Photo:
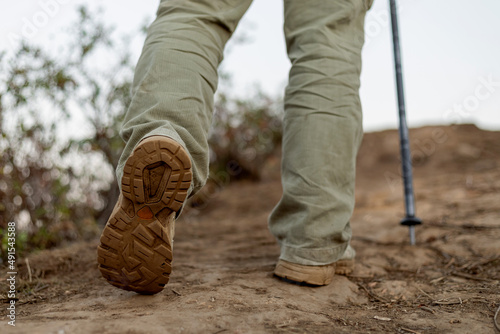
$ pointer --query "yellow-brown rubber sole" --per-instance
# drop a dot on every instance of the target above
(312, 275)
(135, 252)
(344, 267)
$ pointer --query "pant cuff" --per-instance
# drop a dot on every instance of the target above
(312, 256)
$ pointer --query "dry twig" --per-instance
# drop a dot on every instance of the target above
(463, 275)
(29, 269)
(425, 293)
(410, 330)
(374, 296)
(495, 319)
(428, 309)
(40, 288)
(447, 302)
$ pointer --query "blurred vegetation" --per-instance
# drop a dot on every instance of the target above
(245, 133)
(54, 186)
(58, 186)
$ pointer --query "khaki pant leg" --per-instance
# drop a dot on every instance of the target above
(322, 129)
(176, 77)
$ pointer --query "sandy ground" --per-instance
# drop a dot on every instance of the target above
(224, 256)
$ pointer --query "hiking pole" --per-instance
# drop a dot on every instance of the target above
(410, 220)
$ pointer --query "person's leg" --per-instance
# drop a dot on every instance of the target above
(176, 77)
(166, 129)
(322, 129)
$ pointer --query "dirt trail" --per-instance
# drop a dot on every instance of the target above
(224, 257)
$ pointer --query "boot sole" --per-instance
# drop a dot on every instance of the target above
(305, 275)
(344, 267)
(312, 275)
(135, 253)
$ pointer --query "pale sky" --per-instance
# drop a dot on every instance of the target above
(450, 48)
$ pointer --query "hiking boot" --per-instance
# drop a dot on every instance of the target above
(308, 275)
(316, 275)
(345, 266)
(136, 244)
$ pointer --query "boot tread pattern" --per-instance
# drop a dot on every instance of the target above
(136, 246)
